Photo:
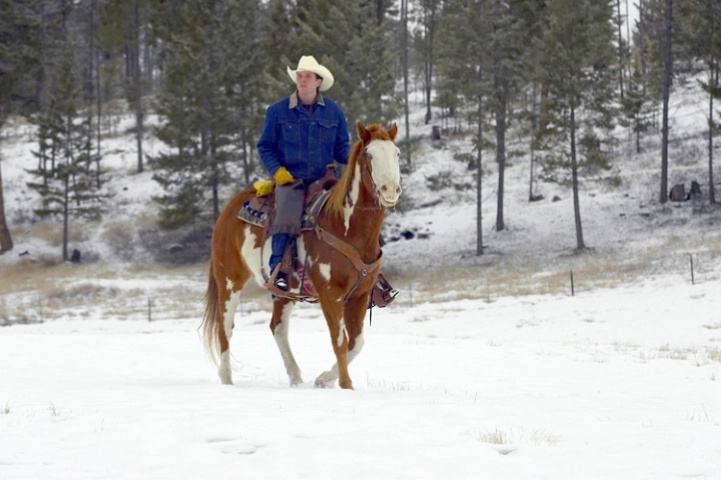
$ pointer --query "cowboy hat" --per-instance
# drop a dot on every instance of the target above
(308, 63)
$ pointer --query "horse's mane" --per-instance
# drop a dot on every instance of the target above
(334, 206)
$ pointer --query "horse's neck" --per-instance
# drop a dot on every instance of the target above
(363, 213)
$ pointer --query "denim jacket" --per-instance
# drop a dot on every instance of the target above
(304, 143)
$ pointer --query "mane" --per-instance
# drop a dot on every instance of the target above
(334, 206)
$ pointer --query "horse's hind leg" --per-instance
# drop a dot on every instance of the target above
(279, 324)
(225, 333)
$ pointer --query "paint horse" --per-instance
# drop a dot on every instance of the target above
(341, 254)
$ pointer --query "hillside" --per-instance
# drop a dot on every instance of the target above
(629, 234)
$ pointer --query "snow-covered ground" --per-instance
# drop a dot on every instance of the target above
(614, 384)
(485, 367)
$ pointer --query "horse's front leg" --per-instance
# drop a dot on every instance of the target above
(279, 324)
(347, 341)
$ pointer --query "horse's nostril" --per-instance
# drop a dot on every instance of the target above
(384, 188)
(398, 190)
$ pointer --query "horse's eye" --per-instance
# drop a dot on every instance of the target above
(369, 155)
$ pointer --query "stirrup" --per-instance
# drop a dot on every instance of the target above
(281, 282)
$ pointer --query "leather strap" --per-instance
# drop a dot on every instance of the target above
(349, 251)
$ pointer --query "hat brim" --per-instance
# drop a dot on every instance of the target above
(319, 70)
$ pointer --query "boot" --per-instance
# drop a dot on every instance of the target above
(383, 294)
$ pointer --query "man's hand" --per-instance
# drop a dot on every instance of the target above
(282, 176)
(263, 188)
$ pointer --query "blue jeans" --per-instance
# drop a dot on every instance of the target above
(278, 244)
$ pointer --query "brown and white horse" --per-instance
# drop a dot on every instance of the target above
(342, 256)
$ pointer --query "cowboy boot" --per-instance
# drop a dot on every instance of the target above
(382, 294)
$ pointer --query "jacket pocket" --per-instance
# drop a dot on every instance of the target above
(327, 130)
(292, 132)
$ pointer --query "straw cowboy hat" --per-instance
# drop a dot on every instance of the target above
(308, 63)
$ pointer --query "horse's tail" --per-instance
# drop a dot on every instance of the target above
(211, 318)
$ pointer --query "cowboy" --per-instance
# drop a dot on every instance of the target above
(303, 134)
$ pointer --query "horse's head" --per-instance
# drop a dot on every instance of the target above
(383, 158)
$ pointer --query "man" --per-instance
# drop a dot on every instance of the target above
(303, 134)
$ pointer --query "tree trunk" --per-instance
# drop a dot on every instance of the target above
(479, 181)
(137, 86)
(580, 245)
(713, 80)
(534, 124)
(406, 109)
(6, 241)
(620, 49)
(667, 73)
(66, 214)
(502, 90)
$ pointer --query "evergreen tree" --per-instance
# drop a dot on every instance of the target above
(465, 68)
(19, 76)
(66, 188)
(424, 43)
(637, 105)
(701, 35)
(578, 72)
(124, 30)
(212, 76)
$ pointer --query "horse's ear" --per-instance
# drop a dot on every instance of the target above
(363, 133)
(393, 131)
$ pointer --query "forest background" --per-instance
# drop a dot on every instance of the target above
(561, 74)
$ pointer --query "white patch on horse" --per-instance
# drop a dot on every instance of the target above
(342, 332)
(352, 197)
(252, 255)
(230, 307)
(386, 172)
(226, 376)
(281, 339)
(324, 269)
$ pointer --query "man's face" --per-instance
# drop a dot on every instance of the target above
(308, 83)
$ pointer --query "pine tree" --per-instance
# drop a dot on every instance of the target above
(465, 69)
(208, 103)
(701, 37)
(19, 77)
(578, 72)
(66, 187)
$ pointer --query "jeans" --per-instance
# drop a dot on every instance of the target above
(278, 244)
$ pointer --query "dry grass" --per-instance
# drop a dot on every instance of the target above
(511, 437)
(33, 291)
(499, 276)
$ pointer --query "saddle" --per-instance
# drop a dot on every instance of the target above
(260, 209)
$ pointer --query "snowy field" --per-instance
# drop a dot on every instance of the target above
(614, 384)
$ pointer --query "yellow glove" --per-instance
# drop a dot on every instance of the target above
(263, 188)
(282, 176)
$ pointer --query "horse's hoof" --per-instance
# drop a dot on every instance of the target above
(226, 378)
(320, 383)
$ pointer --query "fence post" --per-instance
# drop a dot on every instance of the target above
(150, 317)
(690, 257)
(573, 290)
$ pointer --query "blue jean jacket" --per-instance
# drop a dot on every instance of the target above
(304, 143)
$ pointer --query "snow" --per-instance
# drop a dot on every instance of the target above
(484, 367)
(613, 384)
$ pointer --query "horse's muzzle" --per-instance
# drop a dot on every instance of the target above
(389, 196)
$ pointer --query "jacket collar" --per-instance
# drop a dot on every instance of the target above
(294, 100)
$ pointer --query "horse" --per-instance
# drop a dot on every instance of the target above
(342, 256)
